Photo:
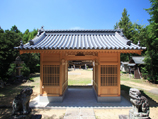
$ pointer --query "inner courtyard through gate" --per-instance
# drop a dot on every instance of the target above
(82, 74)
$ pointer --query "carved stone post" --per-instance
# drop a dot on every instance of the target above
(140, 106)
(18, 63)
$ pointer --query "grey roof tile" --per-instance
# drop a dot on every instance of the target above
(80, 39)
(138, 59)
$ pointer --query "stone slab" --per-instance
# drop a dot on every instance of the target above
(50, 99)
(79, 113)
(72, 112)
(77, 117)
(107, 99)
(86, 112)
(123, 117)
(88, 117)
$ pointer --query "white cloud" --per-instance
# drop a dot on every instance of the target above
(76, 27)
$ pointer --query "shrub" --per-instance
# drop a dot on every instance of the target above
(11, 70)
(25, 71)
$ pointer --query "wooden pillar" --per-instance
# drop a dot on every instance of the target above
(41, 72)
(61, 75)
(118, 75)
(99, 82)
(66, 73)
(94, 73)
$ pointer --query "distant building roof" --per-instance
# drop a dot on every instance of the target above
(131, 64)
(80, 39)
(124, 62)
(137, 59)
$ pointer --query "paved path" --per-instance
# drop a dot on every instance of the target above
(79, 113)
(81, 98)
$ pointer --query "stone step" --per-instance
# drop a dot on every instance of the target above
(79, 113)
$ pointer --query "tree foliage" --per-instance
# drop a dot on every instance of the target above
(126, 25)
(151, 58)
(10, 39)
(132, 31)
(30, 59)
(148, 37)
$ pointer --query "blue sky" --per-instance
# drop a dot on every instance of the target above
(70, 14)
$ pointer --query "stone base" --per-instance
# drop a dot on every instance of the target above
(52, 98)
(36, 116)
(107, 99)
(29, 116)
(21, 116)
(123, 117)
(140, 115)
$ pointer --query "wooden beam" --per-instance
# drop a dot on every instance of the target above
(51, 63)
(108, 63)
(80, 50)
(102, 95)
(81, 57)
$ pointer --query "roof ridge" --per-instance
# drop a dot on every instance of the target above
(82, 30)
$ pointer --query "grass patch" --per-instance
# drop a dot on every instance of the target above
(122, 72)
(127, 78)
(83, 81)
(152, 97)
(144, 92)
(89, 69)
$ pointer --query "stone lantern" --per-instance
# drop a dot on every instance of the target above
(18, 63)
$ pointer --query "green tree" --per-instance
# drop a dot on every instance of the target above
(151, 58)
(126, 25)
(8, 40)
(26, 36)
(15, 29)
(139, 34)
(133, 32)
(30, 59)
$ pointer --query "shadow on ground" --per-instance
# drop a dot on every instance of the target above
(8, 94)
(5, 113)
(126, 89)
(45, 116)
(35, 75)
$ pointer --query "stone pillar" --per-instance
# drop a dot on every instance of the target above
(18, 63)
(85, 66)
(80, 67)
(74, 67)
